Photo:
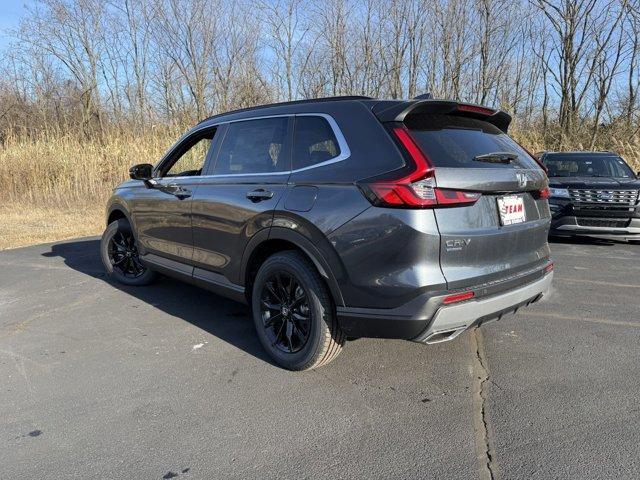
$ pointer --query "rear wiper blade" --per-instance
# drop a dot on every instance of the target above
(496, 157)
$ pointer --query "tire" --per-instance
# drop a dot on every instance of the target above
(305, 305)
(118, 244)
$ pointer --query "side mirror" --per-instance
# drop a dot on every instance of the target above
(142, 171)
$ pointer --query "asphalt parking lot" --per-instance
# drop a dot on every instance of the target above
(169, 381)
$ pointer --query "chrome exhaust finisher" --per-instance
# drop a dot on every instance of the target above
(444, 336)
(450, 321)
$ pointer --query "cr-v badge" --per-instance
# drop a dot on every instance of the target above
(457, 244)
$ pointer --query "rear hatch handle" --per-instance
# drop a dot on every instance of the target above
(496, 157)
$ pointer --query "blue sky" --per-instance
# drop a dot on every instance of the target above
(10, 13)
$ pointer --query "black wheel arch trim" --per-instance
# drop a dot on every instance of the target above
(117, 206)
(326, 267)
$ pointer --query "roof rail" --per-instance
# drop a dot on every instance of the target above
(293, 102)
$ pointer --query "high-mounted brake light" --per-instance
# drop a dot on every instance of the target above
(463, 107)
(418, 188)
(458, 297)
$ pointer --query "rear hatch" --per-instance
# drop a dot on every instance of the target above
(502, 232)
(478, 243)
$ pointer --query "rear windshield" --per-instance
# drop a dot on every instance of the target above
(589, 166)
(453, 141)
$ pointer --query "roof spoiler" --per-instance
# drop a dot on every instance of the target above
(399, 111)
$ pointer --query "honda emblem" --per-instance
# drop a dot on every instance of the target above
(522, 180)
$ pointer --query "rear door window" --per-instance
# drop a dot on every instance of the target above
(254, 147)
(313, 142)
(453, 141)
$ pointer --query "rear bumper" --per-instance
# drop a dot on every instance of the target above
(427, 320)
(452, 320)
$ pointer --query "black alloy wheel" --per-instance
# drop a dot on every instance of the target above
(120, 256)
(294, 314)
(286, 315)
(123, 255)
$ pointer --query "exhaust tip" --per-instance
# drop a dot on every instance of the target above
(444, 335)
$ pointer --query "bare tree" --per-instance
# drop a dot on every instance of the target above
(67, 31)
(582, 30)
(564, 67)
(282, 18)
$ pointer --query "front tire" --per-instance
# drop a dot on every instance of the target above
(293, 313)
(119, 253)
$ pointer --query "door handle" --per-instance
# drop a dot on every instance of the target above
(178, 191)
(259, 195)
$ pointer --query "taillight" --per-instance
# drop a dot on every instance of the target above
(548, 268)
(544, 193)
(418, 188)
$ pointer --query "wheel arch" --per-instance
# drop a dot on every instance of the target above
(269, 241)
(116, 214)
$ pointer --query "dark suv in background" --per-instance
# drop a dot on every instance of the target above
(342, 217)
(593, 194)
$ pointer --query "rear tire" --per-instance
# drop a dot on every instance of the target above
(119, 253)
(293, 313)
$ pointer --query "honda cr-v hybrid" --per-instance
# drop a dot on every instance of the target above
(342, 218)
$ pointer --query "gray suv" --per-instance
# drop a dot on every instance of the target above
(341, 218)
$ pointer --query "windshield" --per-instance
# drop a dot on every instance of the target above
(592, 166)
(453, 141)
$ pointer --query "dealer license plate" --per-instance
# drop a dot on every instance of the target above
(511, 208)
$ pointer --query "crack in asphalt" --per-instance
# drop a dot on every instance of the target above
(485, 452)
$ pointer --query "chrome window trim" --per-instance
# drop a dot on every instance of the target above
(342, 142)
(345, 152)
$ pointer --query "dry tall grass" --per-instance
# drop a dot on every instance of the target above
(56, 188)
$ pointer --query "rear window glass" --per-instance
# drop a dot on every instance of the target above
(253, 147)
(453, 141)
(313, 142)
(591, 166)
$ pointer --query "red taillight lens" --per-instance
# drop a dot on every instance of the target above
(458, 297)
(548, 268)
(417, 194)
(456, 197)
(418, 188)
(544, 193)
(422, 163)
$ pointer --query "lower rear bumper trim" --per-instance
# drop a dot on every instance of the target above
(460, 317)
(424, 316)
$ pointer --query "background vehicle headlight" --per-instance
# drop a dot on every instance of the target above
(560, 193)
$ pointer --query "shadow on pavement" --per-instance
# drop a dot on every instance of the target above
(228, 320)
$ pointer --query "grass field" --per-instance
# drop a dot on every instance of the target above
(56, 188)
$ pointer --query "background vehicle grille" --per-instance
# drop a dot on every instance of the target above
(600, 222)
(607, 197)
